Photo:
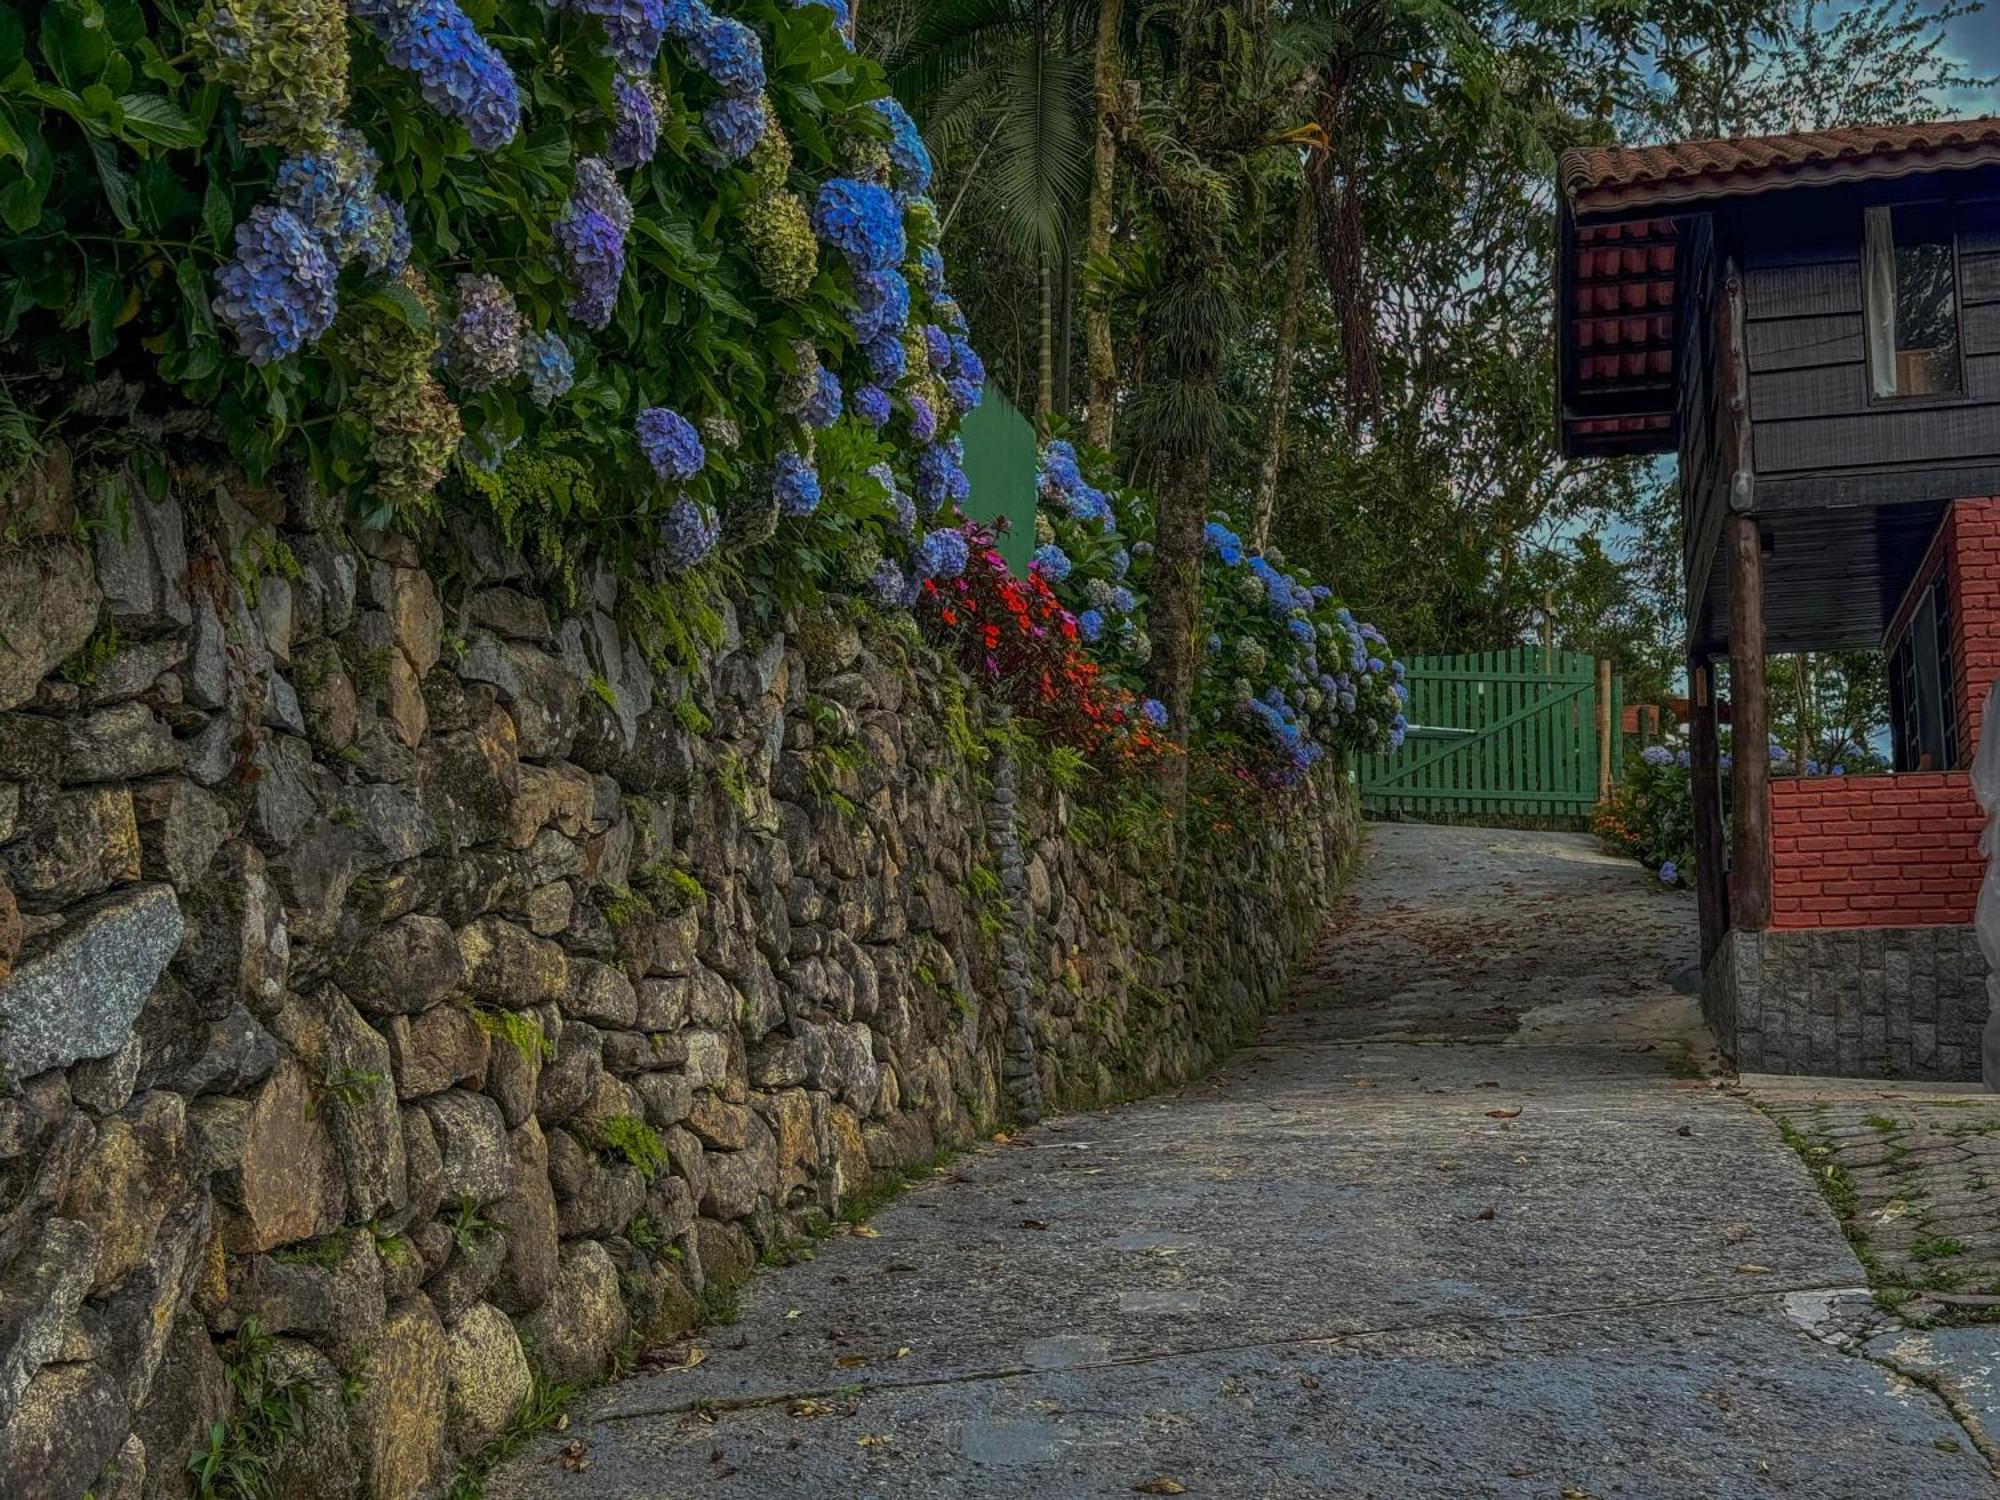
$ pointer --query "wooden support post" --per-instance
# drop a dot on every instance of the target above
(1705, 776)
(1749, 732)
(1603, 729)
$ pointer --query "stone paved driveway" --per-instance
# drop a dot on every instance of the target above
(1466, 1222)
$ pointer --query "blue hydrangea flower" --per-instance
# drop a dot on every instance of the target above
(670, 443)
(685, 19)
(937, 346)
(688, 533)
(822, 407)
(633, 29)
(861, 220)
(635, 130)
(888, 361)
(964, 394)
(1657, 755)
(1122, 601)
(1301, 630)
(1120, 562)
(941, 554)
(909, 161)
(795, 482)
(736, 123)
(458, 72)
(935, 467)
(965, 360)
(483, 347)
(278, 293)
(1155, 712)
(885, 304)
(930, 262)
(1090, 625)
(1669, 873)
(871, 404)
(1223, 542)
(730, 54)
(923, 420)
(1052, 562)
(332, 193)
(550, 367)
(591, 233)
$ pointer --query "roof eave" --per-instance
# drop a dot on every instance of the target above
(1618, 201)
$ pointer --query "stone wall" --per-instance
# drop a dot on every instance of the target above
(403, 990)
(1895, 1002)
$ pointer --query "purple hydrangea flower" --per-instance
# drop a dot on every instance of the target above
(730, 54)
(941, 554)
(688, 533)
(822, 407)
(591, 233)
(923, 421)
(891, 584)
(908, 159)
(1052, 562)
(633, 29)
(888, 361)
(735, 123)
(885, 304)
(550, 367)
(795, 483)
(458, 72)
(861, 220)
(483, 347)
(635, 130)
(1155, 712)
(937, 347)
(871, 404)
(670, 443)
(278, 292)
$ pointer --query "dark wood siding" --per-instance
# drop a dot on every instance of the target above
(1818, 435)
(1702, 482)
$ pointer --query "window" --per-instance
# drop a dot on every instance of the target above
(1911, 286)
(1923, 718)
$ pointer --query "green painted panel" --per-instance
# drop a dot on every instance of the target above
(1000, 459)
(1495, 735)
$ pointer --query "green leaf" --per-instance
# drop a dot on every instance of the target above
(21, 200)
(12, 142)
(117, 186)
(156, 118)
(13, 39)
(218, 217)
(104, 297)
(400, 301)
(74, 40)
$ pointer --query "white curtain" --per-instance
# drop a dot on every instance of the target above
(1879, 301)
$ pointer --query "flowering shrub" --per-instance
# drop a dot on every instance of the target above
(1015, 635)
(1649, 814)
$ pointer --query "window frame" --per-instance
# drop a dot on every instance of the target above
(1929, 401)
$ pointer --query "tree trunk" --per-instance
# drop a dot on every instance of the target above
(1296, 254)
(1173, 607)
(1098, 358)
(1045, 388)
(1065, 325)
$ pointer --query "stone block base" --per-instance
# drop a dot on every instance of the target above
(1871, 1002)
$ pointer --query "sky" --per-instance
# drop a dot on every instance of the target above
(1976, 39)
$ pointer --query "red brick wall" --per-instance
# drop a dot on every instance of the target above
(1874, 851)
(1967, 550)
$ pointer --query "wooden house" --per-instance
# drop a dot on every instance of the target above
(1812, 324)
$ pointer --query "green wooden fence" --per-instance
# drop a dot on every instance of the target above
(1500, 736)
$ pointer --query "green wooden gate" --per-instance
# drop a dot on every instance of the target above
(1000, 458)
(1496, 736)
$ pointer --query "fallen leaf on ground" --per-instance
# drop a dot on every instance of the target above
(1484, 1213)
(1362, 1083)
(1159, 1485)
(866, 1231)
(873, 1440)
(851, 1361)
(811, 1406)
(1034, 1223)
(663, 1360)
(1309, 1382)
(904, 1352)
(1752, 1269)
(1503, 1114)
(791, 1312)
(572, 1456)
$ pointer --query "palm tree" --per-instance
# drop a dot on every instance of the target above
(1010, 81)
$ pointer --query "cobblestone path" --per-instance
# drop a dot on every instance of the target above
(1468, 1221)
